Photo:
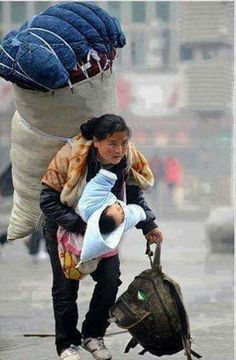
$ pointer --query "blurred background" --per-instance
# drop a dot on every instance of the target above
(174, 84)
(175, 89)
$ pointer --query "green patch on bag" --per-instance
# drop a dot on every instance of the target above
(142, 295)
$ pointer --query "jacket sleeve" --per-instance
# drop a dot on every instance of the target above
(134, 195)
(134, 214)
(96, 193)
(59, 213)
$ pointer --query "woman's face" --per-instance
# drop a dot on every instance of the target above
(112, 149)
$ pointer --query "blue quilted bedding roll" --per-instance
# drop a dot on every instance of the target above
(50, 45)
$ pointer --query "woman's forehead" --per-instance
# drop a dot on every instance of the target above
(118, 136)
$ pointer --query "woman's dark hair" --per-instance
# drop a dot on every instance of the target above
(103, 126)
(106, 223)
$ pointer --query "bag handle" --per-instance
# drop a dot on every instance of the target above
(156, 261)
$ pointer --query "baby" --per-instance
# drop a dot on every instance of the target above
(111, 218)
(107, 218)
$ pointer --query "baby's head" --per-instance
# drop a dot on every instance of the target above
(111, 217)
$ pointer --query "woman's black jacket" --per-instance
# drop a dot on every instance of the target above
(57, 213)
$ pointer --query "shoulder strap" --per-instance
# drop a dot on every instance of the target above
(185, 333)
(131, 344)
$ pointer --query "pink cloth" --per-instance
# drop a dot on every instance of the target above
(74, 242)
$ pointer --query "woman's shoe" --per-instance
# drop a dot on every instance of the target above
(97, 348)
(71, 353)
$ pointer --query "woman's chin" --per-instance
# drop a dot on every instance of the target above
(116, 160)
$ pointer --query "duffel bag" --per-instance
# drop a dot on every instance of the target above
(153, 311)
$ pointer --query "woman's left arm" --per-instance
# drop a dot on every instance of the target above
(134, 195)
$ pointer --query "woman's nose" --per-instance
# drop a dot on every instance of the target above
(119, 149)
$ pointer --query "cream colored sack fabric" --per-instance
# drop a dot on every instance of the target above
(40, 127)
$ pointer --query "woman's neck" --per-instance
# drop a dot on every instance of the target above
(101, 159)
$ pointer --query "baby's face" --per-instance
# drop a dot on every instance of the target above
(116, 212)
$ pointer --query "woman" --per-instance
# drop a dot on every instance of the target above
(103, 143)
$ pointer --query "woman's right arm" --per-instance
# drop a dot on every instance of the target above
(59, 213)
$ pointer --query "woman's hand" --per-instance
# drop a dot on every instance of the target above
(154, 236)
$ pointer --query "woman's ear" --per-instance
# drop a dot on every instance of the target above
(95, 142)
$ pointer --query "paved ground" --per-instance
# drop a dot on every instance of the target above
(206, 280)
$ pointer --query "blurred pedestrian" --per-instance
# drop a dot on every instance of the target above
(173, 179)
(36, 246)
(103, 143)
(157, 167)
(36, 239)
(6, 189)
(6, 185)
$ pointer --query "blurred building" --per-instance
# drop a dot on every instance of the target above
(15, 13)
(150, 30)
(205, 39)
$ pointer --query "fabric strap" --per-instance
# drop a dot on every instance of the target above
(184, 325)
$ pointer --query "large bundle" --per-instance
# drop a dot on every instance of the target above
(45, 119)
(50, 46)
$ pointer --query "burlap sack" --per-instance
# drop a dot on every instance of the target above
(40, 127)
